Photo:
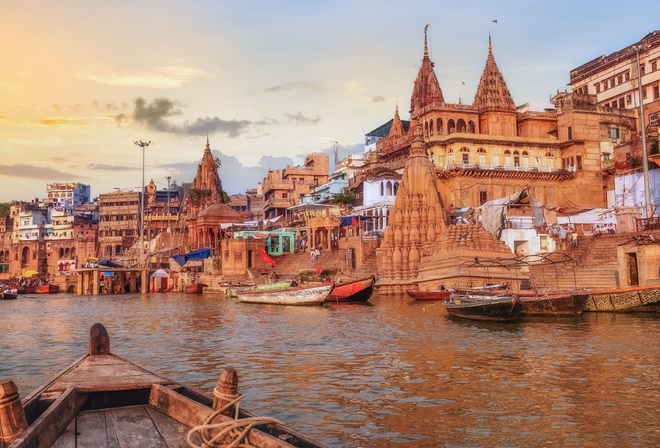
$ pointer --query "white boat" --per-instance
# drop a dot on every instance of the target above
(301, 295)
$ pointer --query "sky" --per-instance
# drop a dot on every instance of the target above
(267, 81)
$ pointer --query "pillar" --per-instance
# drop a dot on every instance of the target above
(95, 282)
(12, 414)
(80, 283)
(226, 390)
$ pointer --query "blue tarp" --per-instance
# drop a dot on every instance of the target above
(194, 255)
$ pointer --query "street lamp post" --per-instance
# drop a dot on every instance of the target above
(642, 124)
(168, 202)
(143, 145)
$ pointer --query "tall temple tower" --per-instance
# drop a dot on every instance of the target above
(206, 187)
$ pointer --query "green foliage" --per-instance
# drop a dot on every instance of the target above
(655, 146)
(345, 198)
(197, 194)
(4, 208)
(226, 199)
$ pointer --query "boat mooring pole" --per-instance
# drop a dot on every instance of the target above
(12, 414)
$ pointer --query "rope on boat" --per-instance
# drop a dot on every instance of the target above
(216, 435)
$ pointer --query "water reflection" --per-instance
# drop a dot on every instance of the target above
(394, 372)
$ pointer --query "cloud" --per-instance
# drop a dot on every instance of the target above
(38, 173)
(155, 117)
(299, 118)
(235, 177)
(302, 86)
(55, 122)
(106, 167)
(166, 77)
(378, 99)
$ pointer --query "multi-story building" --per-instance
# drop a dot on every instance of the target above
(28, 238)
(119, 218)
(68, 194)
(614, 78)
(491, 148)
(374, 197)
(283, 188)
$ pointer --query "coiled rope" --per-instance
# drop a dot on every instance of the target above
(216, 435)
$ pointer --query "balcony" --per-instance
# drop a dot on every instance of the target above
(278, 203)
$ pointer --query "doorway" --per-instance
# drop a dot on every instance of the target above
(633, 276)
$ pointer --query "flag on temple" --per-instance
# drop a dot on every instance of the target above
(266, 258)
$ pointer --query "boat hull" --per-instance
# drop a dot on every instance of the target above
(495, 310)
(631, 300)
(195, 288)
(437, 294)
(356, 291)
(48, 288)
(553, 304)
(8, 296)
(233, 292)
(310, 295)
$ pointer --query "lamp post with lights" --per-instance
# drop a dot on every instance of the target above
(143, 145)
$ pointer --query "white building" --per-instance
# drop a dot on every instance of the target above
(374, 197)
(68, 194)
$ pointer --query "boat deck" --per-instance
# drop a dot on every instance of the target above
(131, 426)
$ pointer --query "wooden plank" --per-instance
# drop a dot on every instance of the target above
(173, 433)
(68, 437)
(95, 429)
(45, 430)
(135, 429)
(191, 413)
(105, 373)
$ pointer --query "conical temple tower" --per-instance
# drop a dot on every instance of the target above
(416, 221)
(206, 187)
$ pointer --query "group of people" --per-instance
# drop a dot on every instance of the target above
(605, 229)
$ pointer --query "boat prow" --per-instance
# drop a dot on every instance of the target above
(104, 400)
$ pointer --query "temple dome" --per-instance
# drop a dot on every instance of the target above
(220, 213)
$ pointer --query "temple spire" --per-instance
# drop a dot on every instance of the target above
(493, 93)
(427, 88)
(396, 130)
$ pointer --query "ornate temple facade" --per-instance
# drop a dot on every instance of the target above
(460, 155)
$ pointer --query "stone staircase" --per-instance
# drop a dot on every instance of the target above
(595, 264)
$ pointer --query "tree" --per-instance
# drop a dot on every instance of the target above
(226, 199)
(344, 198)
(4, 208)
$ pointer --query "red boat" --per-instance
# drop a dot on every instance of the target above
(48, 288)
(195, 288)
(355, 291)
(434, 294)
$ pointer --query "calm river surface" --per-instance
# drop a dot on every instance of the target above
(394, 372)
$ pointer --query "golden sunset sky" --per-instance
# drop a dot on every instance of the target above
(269, 81)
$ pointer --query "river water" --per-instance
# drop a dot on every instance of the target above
(394, 372)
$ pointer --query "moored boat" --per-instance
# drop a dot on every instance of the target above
(47, 288)
(7, 295)
(233, 292)
(484, 308)
(355, 291)
(195, 288)
(558, 303)
(300, 295)
(103, 400)
(433, 294)
(631, 300)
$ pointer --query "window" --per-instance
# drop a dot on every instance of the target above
(619, 79)
(483, 197)
(654, 65)
(656, 92)
(597, 85)
(570, 133)
(579, 162)
(642, 69)
(627, 76)
(466, 158)
(644, 92)
(628, 99)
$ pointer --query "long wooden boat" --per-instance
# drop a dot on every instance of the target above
(301, 295)
(434, 294)
(496, 309)
(48, 288)
(632, 299)
(558, 304)
(102, 400)
(356, 291)
(6, 295)
(233, 292)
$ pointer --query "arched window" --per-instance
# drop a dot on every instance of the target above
(465, 155)
(450, 157)
(439, 126)
(471, 127)
(388, 188)
(481, 154)
(451, 127)
(525, 159)
(507, 158)
(426, 128)
(60, 253)
(431, 127)
(516, 159)
(396, 187)
(460, 126)
(382, 189)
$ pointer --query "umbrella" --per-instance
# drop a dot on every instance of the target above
(160, 273)
(30, 273)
